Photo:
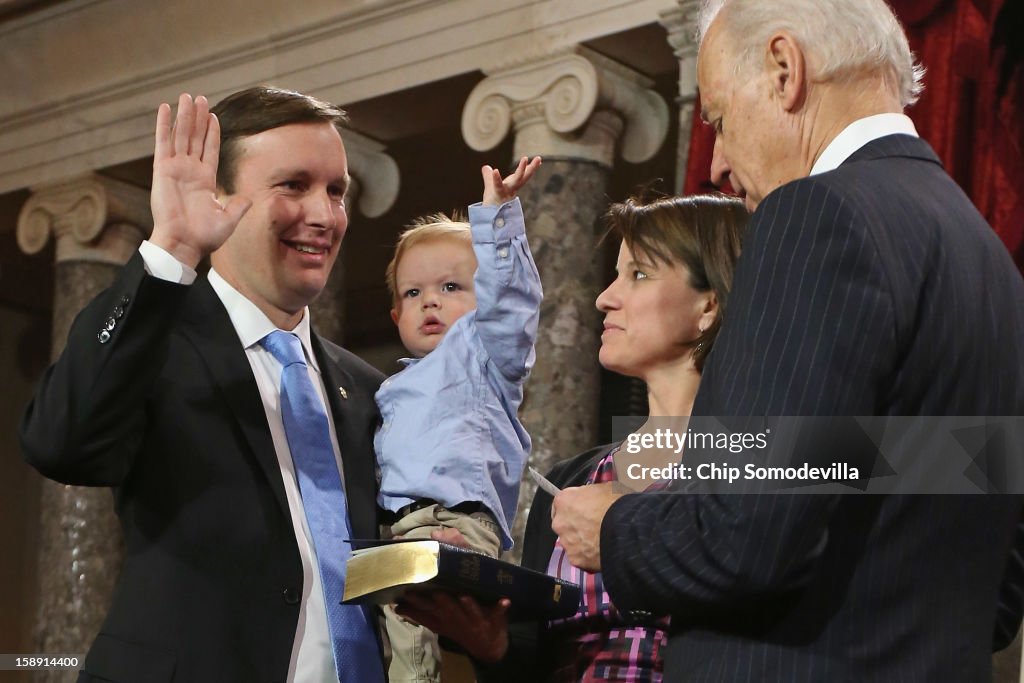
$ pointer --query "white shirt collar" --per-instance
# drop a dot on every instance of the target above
(858, 134)
(251, 324)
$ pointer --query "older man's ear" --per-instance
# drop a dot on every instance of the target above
(786, 69)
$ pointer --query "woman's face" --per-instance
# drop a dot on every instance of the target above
(652, 316)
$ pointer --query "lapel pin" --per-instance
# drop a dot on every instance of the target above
(344, 394)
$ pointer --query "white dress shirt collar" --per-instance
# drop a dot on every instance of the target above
(858, 134)
(251, 324)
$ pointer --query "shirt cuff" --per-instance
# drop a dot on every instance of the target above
(490, 223)
(160, 264)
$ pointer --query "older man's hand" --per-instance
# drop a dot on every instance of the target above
(576, 517)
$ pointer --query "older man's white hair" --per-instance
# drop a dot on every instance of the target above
(841, 38)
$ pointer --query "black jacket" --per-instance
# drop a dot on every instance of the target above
(528, 657)
(168, 414)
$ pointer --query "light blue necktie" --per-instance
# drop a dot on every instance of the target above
(357, 656)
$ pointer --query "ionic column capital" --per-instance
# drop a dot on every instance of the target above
(92, 218)
(574, 103)
(375, 172)
(681, 24)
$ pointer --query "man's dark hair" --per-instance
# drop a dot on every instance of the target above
(261, 108)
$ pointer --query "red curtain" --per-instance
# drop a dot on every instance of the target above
(972, 109)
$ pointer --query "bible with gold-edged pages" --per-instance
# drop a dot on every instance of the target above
(380, 571)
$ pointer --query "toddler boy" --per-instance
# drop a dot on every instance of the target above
(451, 448)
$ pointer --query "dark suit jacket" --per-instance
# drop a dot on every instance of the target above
(167, 412)
(529, 657)
(875, 289)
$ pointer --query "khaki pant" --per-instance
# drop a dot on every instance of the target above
(415, 655)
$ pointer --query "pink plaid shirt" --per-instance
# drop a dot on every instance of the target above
(598, 643)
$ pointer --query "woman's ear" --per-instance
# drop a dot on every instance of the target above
(709, 314)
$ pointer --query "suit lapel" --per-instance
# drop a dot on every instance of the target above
(209, 328)
(352, 410)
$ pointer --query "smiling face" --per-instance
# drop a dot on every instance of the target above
(652, 316)
(752, 141)
(434, 289)
(283, 249)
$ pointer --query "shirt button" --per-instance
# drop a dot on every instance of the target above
(291, 596)
(118, 312)
(125, 299)
(103, 336)
(111, 324)
(499, 223)
(503, 252)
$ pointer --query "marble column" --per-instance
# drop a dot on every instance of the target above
(681, 24)
(373, 188)
(574, 108)
(97, 224)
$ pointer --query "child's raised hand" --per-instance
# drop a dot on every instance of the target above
(497, 190)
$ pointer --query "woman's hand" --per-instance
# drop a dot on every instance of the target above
(482, 630)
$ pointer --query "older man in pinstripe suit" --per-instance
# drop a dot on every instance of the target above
(869, 285)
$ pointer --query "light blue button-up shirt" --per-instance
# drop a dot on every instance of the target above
(450, 429)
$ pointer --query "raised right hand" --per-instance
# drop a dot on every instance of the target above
(498, 190)
(189, 221)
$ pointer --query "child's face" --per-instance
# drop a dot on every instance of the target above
(435, 288)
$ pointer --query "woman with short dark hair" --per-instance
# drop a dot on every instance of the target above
(662, 313)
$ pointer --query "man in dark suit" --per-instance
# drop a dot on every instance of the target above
(169, 392)
(869, 285)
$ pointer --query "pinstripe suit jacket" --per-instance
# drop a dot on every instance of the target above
(873, 289)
